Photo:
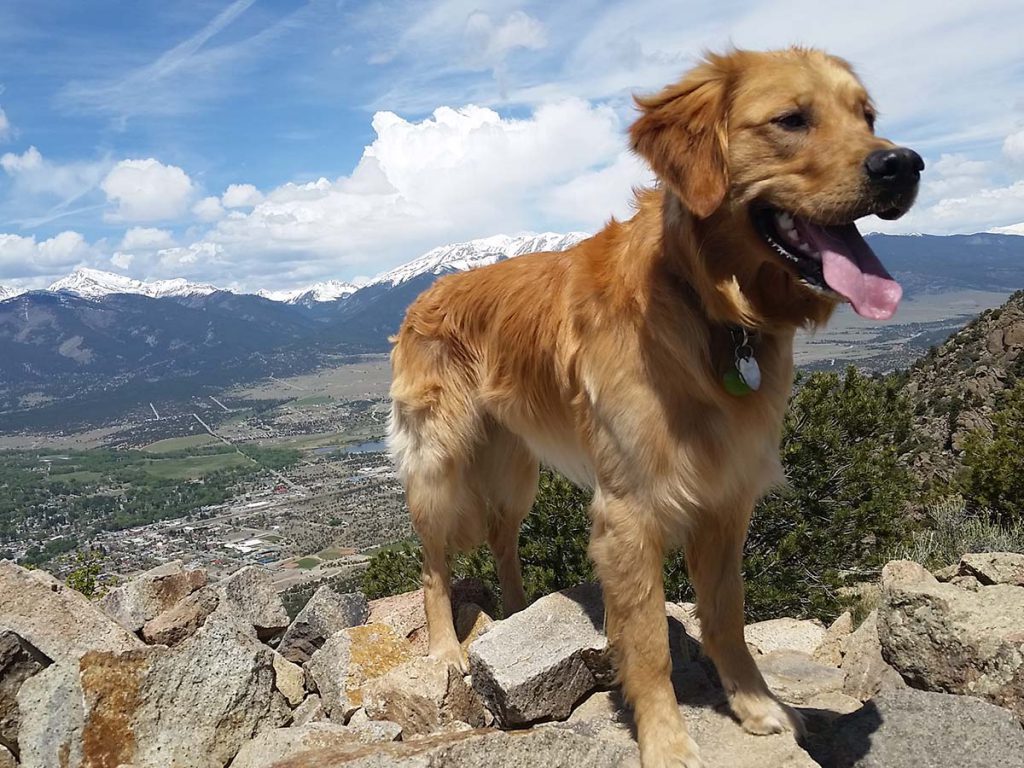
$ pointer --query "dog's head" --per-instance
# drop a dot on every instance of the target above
(777, 153)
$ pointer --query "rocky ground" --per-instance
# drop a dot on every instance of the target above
(169, 671)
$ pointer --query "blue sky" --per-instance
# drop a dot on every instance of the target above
(272, 143)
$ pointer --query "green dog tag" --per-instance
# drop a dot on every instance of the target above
(734, 383)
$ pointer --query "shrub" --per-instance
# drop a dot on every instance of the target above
(993, 463)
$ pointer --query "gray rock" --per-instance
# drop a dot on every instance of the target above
(281, 744)
(191, 705)
(918, 729)
(6, 758)
(830, 649)
(538, 663)
(865, 672)
(539, 748)
(349, 659)
(289, 679)
(784, 634)
(18, 662)
(311, 710)
(55, 619)
(795, 677)
(249, 594)
(149, 594)
(943, 638)
(422, 695)
(182, 620)
(326, 612)
(994, 568)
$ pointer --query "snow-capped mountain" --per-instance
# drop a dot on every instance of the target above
(6, 292)
(94, 283)
(330, 290)
(460, 257)
(1013, 229)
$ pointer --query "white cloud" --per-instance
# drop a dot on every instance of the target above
(490, 42)
(147, 190)
(1013, 146)
(146, 239)
(29, 160)
(5, 126)
(241, 196)
(21, 256)
(208, 209)
(189, 259)
(122, 260)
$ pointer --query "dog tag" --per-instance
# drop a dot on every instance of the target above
(734, 383)
(750, 372)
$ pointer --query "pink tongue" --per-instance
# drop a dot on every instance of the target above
(852, 269)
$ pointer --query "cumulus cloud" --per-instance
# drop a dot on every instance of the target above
(208, 209)
(21, 256)
(1013, 146)
(122, 260)
(241, 196)
(147, 190)
(146, 238)
(29, 160)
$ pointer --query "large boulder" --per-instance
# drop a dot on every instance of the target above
(249, 595)
(918, 729)
(18, 662)
(538, 663)
(830, 649)
(349, 659)
(944, 638)
(326, 612)
(149, 594)
(784, 634)
(422, 696)
(994, 568)
(289, 679)
(865, 672)
(281, 744)
(181, 620)
(191, 705)
(795, 677)
(540, 748)
(56, 620)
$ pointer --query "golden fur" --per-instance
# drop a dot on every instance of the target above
(606, 362)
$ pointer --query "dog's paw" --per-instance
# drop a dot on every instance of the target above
(679, 751)
(453, 657)
(765, 716)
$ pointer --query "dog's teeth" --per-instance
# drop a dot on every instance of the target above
(785, 220)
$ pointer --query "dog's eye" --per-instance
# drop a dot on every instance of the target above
(869, 117)
(792, 121)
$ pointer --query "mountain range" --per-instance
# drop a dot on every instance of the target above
(94, 340)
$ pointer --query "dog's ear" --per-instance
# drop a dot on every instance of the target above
(682, 134)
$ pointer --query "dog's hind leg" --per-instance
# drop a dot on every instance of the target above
(714, 551)
(627, 550)
(510, 474)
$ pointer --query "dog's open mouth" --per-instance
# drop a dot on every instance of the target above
(832, 258)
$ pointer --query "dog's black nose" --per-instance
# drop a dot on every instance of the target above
(899, 166)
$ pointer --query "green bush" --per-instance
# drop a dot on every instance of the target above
(993, 476)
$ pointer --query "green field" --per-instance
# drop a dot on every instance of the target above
(311, 400)
(193, 467)
(308, 562)
(180, 443)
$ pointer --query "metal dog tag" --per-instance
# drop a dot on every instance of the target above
(749, 371)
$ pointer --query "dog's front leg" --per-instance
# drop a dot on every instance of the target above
(627, 549)
(714, 552)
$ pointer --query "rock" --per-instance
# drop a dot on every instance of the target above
(795, 677)
(905, 572)
(784, 634)
(538, 663)
(6, 758)
(540, 748)
(942, 638)
(683, 633)
(404, 612)
(149, 594)
(917, 729)
(422, 695)
(865, 672)
(994, 568)
(281, 744)
(181, 620)
(348, 659)
(249, 593)
(191, 705)
(947, 573)
(470, 622)
(311, 710)
(55, 619)
(18, 662)
(289, 679)
(326, 612)
(830, 649)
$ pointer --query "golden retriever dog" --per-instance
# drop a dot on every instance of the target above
(653, 363)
